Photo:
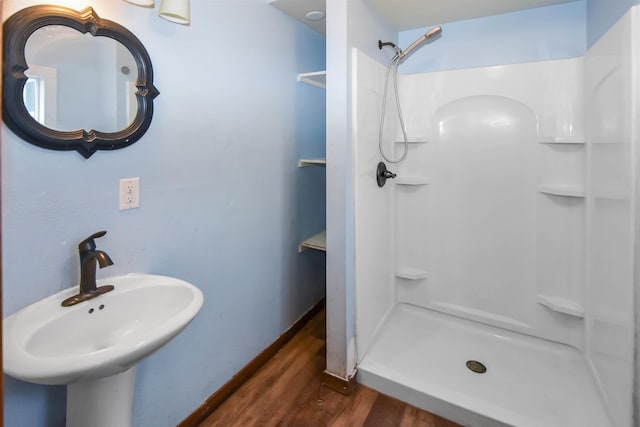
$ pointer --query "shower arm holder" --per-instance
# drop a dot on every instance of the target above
(381, 44)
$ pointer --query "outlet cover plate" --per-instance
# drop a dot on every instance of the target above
(129, 195)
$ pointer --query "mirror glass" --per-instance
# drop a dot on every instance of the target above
(64, 66)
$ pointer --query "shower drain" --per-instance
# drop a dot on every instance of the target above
(477, 367)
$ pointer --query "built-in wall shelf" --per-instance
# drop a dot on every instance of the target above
(316, 78)
(562, 190)
(412, 139)
(411, 180)
(561, 305)
(312, 162)
(317, 242)
(561, 139)
(411, 273)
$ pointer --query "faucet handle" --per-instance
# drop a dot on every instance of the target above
(88, 244)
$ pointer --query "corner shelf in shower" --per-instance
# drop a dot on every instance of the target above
(412, 139)
(316, 78)
(561, 305)
(562, 190)
(561, 139)
(411, 180)
(312, 162)
(317, 242)
(411, 273)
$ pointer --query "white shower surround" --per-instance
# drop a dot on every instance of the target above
(517, 213)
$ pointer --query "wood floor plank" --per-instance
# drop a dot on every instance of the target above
(314, 406)
(288, 392)
(245, 402)
(442, 422)
(256, 403)
(385, 412)
(356, 409)
(414, 417)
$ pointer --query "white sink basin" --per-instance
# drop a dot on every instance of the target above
(46, 343)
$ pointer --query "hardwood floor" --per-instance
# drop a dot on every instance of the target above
(288, 391)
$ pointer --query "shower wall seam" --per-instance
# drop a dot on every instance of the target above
(635, 408)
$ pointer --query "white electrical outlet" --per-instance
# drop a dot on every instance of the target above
(129, 193)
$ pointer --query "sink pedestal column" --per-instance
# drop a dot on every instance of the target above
(103, 402)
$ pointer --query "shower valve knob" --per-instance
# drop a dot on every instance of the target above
(382, 174)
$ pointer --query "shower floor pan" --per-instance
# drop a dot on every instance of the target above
(420, 356)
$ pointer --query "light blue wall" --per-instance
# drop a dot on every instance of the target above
(603, 14)
(221, 197)
(552, 32)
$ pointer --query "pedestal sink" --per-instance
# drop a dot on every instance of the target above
(93, 346)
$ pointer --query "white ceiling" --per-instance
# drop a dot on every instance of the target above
(297, 9)
(409, 14)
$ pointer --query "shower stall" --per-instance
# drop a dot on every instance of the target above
(494, 274)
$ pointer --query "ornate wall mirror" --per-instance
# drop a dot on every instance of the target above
(74, 81)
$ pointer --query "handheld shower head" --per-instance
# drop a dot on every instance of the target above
(434, 32)
(430, 35)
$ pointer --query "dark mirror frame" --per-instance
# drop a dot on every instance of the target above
(17, 30)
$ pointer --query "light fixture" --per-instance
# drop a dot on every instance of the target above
(175, 11)
(314, 15)
(172, 10)
(144, 3)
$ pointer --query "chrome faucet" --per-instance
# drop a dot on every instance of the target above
(90, 258)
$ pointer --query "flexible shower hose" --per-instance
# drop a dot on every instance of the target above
(393, 64)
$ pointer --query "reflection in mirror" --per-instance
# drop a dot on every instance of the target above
(88, 74)
(34, 98)
(75, 81)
